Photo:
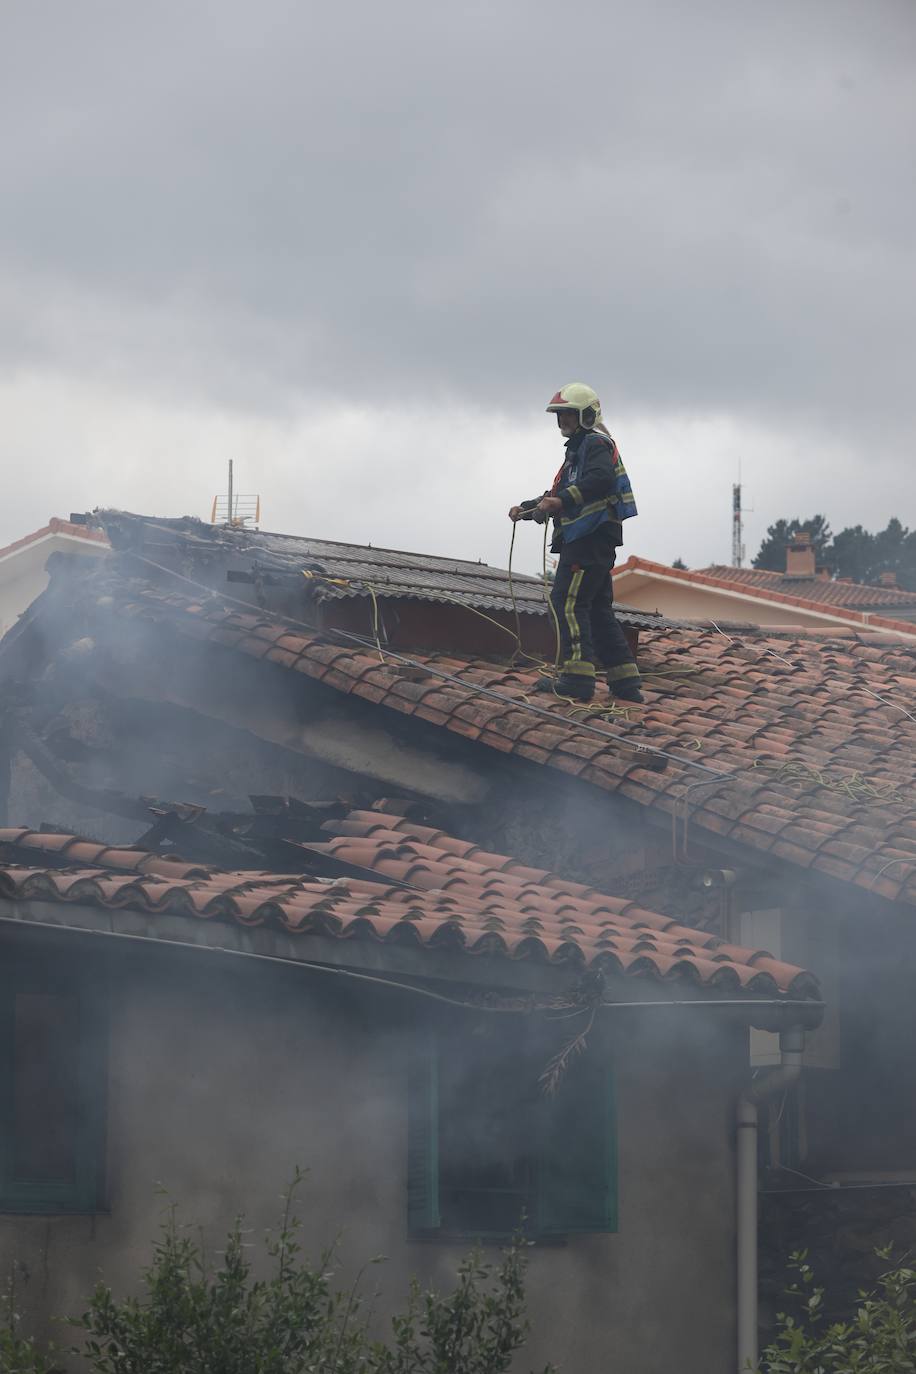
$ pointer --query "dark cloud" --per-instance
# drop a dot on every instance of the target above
(704, 208)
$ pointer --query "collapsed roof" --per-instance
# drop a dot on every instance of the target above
(797, 748)
(380, 876)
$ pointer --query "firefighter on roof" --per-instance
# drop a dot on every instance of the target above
(589, 500)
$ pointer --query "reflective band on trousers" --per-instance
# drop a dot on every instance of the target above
(622, 670)
(569, 611)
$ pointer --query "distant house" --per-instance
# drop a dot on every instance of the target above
(800, 596)
(278, 753)
(23, 564)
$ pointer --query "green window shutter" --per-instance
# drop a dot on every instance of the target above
(423, 1134)
(577, 1151)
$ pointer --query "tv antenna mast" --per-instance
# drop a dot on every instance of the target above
(234, 510)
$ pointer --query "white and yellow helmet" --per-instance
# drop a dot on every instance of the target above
(578, 396)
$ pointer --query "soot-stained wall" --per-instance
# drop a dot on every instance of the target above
(226, 1075)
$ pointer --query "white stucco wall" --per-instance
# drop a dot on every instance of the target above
(23, 573)
(685, 601)
(222, 1080)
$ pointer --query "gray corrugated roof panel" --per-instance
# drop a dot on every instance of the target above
(396, 572)
(528, 604)
(389, 573)
(424, 577)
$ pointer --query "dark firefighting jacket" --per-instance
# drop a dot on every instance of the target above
(596, 495)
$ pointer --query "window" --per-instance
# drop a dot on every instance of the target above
(486, 1146)
(52, 1087)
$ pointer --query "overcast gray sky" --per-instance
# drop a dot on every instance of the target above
(357, 247)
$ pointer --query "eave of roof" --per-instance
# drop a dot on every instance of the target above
(434, 893)
(55, 526)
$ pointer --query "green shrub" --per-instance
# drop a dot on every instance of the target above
(17, 1354)
(880, 1338)
(193, 1319)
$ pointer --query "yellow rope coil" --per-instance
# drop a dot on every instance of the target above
(854, 785)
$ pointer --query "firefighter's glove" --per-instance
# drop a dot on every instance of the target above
(547, 507)
(525, 510)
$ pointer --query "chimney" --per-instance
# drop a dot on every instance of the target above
(888, 579)
(800, 560)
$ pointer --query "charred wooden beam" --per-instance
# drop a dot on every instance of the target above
(59, 776)
(258, 840)
(295, 809)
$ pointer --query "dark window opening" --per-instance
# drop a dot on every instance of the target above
(490, 1151)
(45, 1081)
(487, 1156)
(52, 1086)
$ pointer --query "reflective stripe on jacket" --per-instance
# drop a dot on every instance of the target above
(593, 486)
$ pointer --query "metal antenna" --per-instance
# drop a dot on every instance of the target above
(737, 524)
(234, 510)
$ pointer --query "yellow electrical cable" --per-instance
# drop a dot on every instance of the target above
(854, 785)
(669, 672)
(603, 710)
(443, 596)
(518, 623)
(375, 627)
(541, 663)
(550, 605)
(456, 601)
(429, 669)
(600, 710)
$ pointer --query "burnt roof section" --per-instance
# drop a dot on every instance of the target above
(398, 882)
(351, 570)
(798, 748)
(808, 758)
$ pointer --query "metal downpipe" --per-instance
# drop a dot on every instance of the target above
(791, 1047)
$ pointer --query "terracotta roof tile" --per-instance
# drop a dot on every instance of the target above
(87, 851)
(823, 590)
(471, 899)
(815, 738)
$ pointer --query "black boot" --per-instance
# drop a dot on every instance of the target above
(626, 689)
(575, 685)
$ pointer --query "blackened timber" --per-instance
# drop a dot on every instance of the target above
(60, 778)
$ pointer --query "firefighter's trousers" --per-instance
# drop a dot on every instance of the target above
(590, 634)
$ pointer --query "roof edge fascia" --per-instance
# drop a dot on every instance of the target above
(22, 547)
(421, 972)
